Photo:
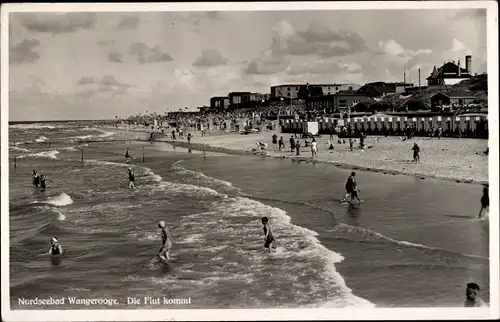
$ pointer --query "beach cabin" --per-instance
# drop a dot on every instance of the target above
(310, 127)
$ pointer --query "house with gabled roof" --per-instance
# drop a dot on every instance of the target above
(450, 73)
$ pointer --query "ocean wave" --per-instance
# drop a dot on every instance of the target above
(105, 134)
(60, 215)
(298, 245)
(199, 175)
(41, 139)
(82, 137)
(45, 154)
(293, 241)
(367, 234)
(70, 148)
(16, 148)
(182, 188)
(61, 200)
(31, 126)
(189, 189)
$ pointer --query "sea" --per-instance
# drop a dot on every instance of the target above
(413, 242)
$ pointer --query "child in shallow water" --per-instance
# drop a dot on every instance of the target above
(268, 235)
(55, 248)
(164, 252)
(485, 201)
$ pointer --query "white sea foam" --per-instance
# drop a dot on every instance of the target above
(181, 188)
(202, 176)
(70, 148)
(16, 148)
(45, 154)
(296, 244)
(105, 134)
(41, 139)
(31, 126)
(303, 243)
(82, 137)
(189, 189)
(314, 248)
(60, 215)
(62, 200)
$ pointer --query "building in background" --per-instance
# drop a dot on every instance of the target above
(257, 97)
(323, 103)
(219, 102)
(238, 99)
(401, 87)
(450, 73)
(345, 100)
(377, 89)
(414, 89)
(451, 98)
(335, 103)
(291, 91)
(246, 99)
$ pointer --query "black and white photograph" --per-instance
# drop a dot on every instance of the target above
(250, 161)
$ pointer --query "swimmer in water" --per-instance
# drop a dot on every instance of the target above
(485, 201)
(131, 178)
(472, 298)
(268, 235)
(164, 252)
(56, 248)
(42, 182)
(36, 179)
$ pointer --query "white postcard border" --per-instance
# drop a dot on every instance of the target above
(258, 314)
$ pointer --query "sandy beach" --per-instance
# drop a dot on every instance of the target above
(459, 160)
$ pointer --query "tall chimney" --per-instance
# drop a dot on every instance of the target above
(459, 71)
(419, 88)
(468, 64)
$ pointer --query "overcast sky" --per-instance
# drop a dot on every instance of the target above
(98, 65)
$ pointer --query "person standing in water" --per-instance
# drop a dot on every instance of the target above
(127, 156)
(189, 137)
(164, 252)
(485, 201)
(355, 192)
(349, 186)
(268, 235)
(42, 182)
(131, 179)
(36, 179)
(55, 248)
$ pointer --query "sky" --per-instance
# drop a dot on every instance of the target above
(97, 65)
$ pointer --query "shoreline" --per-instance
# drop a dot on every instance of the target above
(210, 147)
